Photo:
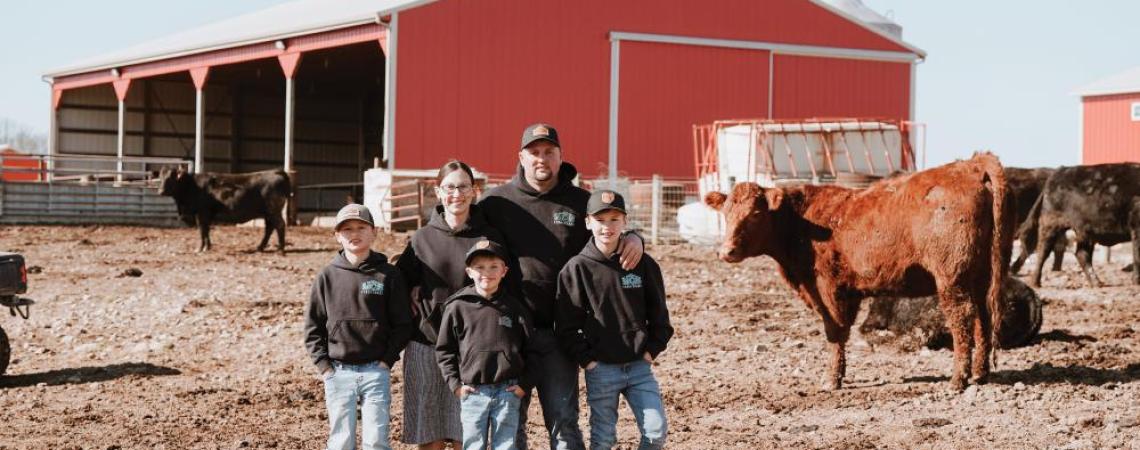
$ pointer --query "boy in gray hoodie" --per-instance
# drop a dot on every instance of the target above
(358, 320)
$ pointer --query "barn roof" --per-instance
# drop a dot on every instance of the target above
(1121, 83)
(295, 18)
(301, 17)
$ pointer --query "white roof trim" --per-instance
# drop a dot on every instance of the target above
(318, 16)
(844, 14)
(1126, 82)
(778, 48)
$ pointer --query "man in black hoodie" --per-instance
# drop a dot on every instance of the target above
(358, 320)
(540, 213)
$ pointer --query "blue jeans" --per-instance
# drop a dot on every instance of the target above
(555, 376)
(636, 382)
(490, 414)
(370, 382)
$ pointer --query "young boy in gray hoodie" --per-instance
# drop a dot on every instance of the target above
(358, 320)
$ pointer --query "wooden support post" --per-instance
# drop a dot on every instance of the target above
(198, 75)
(289, 63)
(122, 87)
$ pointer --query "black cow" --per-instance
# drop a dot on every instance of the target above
(911, 323)
(206, 198)
(1100, 203)
(1025, 185)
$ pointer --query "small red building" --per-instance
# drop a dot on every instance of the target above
(1110, 119)
(19, 166)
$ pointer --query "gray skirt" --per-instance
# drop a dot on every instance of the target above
(431, 411)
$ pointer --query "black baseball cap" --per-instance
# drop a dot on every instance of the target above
(486, 247)
(603, 200)
(537, 132)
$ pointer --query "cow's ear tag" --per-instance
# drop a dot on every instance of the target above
(775, 197)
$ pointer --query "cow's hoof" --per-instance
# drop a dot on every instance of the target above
(832, 384)
(957, 384)
(979, 379)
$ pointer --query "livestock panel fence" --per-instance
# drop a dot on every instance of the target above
(81, 189)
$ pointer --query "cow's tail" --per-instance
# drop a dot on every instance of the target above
(1028, 229)
(286, 189)
(1000, 247)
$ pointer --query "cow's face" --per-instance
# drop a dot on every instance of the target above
(749, 220)
(169, 179)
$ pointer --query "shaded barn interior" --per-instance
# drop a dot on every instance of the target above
(338, 125)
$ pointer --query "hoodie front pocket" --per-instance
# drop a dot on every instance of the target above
(356, 339)
(480, 367)
(635, 338)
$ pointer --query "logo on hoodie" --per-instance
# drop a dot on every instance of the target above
(564, 218)
(631, 281)
(372, 287)
(505, 321)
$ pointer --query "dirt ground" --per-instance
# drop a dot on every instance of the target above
(205, 351)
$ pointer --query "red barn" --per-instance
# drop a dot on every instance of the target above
(324, 87)
(1110, 119)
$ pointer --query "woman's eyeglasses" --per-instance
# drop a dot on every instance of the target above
(451, 188)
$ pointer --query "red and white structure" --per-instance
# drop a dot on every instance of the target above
(322, 87)
(1110, 119)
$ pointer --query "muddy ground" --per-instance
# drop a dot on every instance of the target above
(204, 351)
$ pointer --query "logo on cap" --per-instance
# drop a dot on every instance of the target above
(482, 244)
(540, 131)
(608, 197)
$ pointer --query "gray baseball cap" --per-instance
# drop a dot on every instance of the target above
(353, 211)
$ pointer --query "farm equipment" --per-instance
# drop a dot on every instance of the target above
(13, 283)
(846, 151)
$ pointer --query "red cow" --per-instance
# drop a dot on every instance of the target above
(926, 233)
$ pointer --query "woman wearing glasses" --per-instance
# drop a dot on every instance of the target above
(434, 262)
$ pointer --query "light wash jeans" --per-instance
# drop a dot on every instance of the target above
(490, 415)
(371, 384)
(636, 382)
(555, 378)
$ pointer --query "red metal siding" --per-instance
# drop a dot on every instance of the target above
(472, 74)
(826, 87)
(666, 89)
(1109, 133)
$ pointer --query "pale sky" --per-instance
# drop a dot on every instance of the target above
(999, 75)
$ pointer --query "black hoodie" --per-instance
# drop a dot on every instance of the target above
(610, 315)
(542, 230)
(357, 314)
(433, 260)
(482, 341)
